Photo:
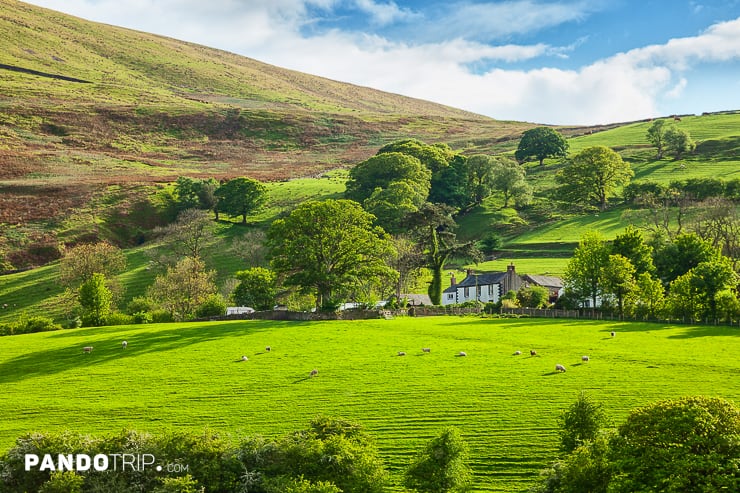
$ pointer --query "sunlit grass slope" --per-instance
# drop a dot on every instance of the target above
(189, 376)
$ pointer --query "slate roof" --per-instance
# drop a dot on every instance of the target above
(482, 280)
(548, 281)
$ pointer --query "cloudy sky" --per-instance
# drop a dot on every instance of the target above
(564, 61)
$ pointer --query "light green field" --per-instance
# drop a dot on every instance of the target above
(188, 376)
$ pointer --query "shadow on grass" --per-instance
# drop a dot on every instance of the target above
(106, 342)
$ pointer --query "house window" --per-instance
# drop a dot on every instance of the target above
(450, 296)
(467, 292)
(490, 290)
(478, 291)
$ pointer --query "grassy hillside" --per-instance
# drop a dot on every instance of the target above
(187, 376)
(135, 107)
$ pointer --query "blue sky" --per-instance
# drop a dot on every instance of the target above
(562, 62)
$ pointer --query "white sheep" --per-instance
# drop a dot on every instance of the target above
(426, 350)
(87, 349)
(314, 372)
(462, 353)
(244, 358)
(268, 349)
(124, 344)
(613, 333)
(402, 353)
(584, 358)
(517, 353)
(559, 367)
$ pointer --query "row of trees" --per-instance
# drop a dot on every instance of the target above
(235, 197)
(686, 277)
(333, 455)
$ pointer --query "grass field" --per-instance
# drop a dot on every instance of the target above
(188, 376)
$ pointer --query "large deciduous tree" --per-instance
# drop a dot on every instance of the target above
(679, 256)
(678, 141)
(593, 176)
(583, 272)
(618, 279)
(434, 157)
(631, 245)
(241, 196)
(328, 248)
(541, 143)
(381, 170)
(433, 226)
(82, 261)
(183, 288)
(185, 237)
(509, 179)
(656, 135)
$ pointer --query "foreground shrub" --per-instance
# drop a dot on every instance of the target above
(35, 324)
(213, 306)
(441, 466)
(581, 422)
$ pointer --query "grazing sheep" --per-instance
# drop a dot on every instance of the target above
(533, 353)
(462, 353)
(124, 344)
(244, 358)
(613, 333)
(517, 353)
(268, 349)
(87, 349)
(426, 350)
(559, 367)
(584, 358)
(401, 353)
(314, 372)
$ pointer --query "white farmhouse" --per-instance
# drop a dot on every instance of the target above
(484, 287)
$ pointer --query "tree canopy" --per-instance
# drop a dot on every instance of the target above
(241, 196)
(329, 247)
(381, 170)
(541, 143)
(593, 176)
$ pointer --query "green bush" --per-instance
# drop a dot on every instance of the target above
(36, 324)
(581, 422)
(142, 318)
(63, 482)
(141, 304)
(118, 318)
(184, 484)
(161, 317)
(213, 306)
(441, 466)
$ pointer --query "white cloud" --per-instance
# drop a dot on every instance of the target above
(498, 20)
(385, 13)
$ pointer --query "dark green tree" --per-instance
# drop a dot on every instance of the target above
(450, 185)
(441, 466)
(329, 247)
(241, 196)
(593, 176)
(481, 175)
(631, 245)
(434, 228)
(679, 256)
(541, 143)
(391, 205)
(383, 169)
(709, 279)
(434, 157)
(533, 296)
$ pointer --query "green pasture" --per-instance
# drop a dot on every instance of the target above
(190, 376)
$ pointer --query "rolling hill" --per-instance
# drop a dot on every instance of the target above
(86, 105)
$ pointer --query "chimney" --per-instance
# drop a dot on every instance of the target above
(470, 272)
(510, 268)
(453, 281)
